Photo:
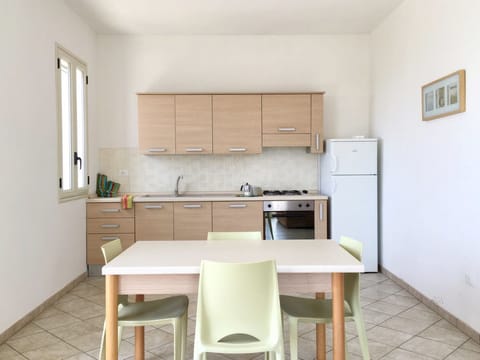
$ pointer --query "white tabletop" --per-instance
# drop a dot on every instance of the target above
(184, 257)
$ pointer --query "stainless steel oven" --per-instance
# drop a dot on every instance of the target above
(288, 219)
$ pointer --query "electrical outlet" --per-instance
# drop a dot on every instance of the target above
(123, 172)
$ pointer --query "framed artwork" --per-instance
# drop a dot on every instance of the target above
(444, 97)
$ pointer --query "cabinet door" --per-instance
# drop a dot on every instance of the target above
(193, 124)
(317, 124)
(156, 124)
(154, 221)
(286, 114)
(96, 241)
(238, 216)
(193, 220)
(321, 219)
(237, 124)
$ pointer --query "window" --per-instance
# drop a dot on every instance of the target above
(72, 80)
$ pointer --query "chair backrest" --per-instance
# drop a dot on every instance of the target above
(352, 281)
(238, 299)
(234, 235)
(111, 250)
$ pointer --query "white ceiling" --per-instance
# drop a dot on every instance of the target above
(233, 17)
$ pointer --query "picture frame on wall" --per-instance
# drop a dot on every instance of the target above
(444, 97)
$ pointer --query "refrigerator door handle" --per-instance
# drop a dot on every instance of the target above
(334, 167)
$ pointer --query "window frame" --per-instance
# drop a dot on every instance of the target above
(75, 192)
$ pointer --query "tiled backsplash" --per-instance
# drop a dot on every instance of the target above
(279, 168)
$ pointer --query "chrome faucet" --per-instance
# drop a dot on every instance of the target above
(176, 186)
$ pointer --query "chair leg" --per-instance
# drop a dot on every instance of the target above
(101, 354)
(177, 338)
(293, 326)
(183, 336)
(362, 336)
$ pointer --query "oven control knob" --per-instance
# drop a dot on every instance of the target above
(299, 205)
(269, 205)
(307, 205)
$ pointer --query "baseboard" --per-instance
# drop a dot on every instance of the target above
(459, 324)
(40, 308)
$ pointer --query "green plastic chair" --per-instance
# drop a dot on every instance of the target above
(171, 310)
(238, 310)
(320, 311)
(234, 235)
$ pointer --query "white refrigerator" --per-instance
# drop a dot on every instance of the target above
(348, 175)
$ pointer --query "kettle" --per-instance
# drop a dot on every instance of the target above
(247, 189)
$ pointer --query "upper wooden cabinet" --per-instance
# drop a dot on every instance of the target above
(286, 114)
(237, 124)
(317, 124)
(156, 124)
(193, 124)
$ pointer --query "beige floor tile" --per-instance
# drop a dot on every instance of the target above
(81, 356)
(27, 330)
(409, 326)
(33, 342)
(374, 293)
(155, 338)
(388, 336)
(67, 297)
(434, 349)
(387, 308)
(402, 300)
(448, 336)
(471, 346)
(399, 354)
(374, 317)
(376, 349)
(86, 342)
(56, 321)
(69, 306)
(462, 354)
(7, 353)
(417, 313)
(51, 352)
(97, 321)
(389, 286)
(376, 277)
(92, 311)
(73, 330)
(49, 313)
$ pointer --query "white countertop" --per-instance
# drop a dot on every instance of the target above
(210, 196)
(184, 257)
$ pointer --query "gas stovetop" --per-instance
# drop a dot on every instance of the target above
(284, 192)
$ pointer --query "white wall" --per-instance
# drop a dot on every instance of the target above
(431, 173)
(42, 243)
(339, 65)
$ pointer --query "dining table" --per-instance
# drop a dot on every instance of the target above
(173, 267)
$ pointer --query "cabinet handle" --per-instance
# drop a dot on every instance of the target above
(194, 149)
(321, 212)
(156, 150)
(109, 238)
(237, 206)
(110, 210)
(287, 129)
(110, 226)
(317, 141)
(192, 206)
(237, 149)
(153, 206)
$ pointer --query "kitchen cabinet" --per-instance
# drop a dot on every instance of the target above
(192, 220)
(156, 124)
(321, 219)
(106, 222)
(286, 119)
(154, 221)
(237, 124)
(316, 146)
(237, 216)
(193, 124)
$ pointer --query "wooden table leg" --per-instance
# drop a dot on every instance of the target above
(111, 316)
(139, 336)
(338, 320)
(321, 339)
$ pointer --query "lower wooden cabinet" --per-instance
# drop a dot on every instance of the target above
(105, 222)
(321, 219)
(192, 220)
(237, 216)
(153, 221)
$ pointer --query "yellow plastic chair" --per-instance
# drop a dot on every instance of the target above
(238, 310)
(234, 235)
(320, 311)
(171, 310)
